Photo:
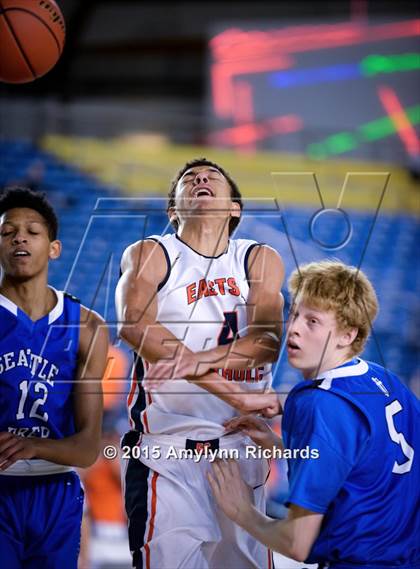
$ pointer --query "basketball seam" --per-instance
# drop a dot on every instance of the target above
(25, 57)
(19, 9)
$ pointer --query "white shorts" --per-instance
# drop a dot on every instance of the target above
(174, 522)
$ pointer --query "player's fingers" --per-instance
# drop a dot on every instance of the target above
(232, 467)
(240, 422)
(220, 471)
(5, 465)
(11, 460)
(5, 436)
(15, 446)
(8, 443)
(214, 485)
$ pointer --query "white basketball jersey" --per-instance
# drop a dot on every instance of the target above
(202, 301)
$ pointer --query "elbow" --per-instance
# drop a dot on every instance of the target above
(123, 331)
(88, 458)
(298, 557)
(89, 447)
(130, 334)
(299, 552)
(273, 356)
(271, 342)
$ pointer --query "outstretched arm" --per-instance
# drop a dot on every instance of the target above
(293, 537)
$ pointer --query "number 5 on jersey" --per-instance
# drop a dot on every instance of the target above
(398, 438)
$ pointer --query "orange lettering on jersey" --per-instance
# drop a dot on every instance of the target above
(202, 289)
(221, 284)
(233, 289)
(212, 292)
(191, 293)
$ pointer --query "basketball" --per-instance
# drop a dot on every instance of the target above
(32, 34)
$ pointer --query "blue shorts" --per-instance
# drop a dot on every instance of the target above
(40, 521)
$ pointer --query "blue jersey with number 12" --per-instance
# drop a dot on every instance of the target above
(38, 363)
(365, 424)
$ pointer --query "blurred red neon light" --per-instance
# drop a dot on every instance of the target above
(237, 52)
(398, 116)
(252, 132)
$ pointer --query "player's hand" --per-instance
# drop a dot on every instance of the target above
(13, 448)
(256, 429)
(266, 403)
(233, 496)
(185, 366)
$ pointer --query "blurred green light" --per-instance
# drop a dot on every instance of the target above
(341, 142)
(376, 64)
(345, 141)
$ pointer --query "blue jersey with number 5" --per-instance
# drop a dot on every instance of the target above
(365, 425)
(38, 363)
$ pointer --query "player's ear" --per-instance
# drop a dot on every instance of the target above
(172, 214)
(235, 210)
(348, 336)
(55, 249)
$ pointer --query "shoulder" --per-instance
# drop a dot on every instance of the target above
(323, 409)
(264, 261)
(264, 257)
(143, 252)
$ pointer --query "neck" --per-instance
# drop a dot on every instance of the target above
(313, 373)
(207, 237)
(34, 296)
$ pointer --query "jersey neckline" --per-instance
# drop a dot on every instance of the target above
(354, 367)
(201, 254)
(51, 316)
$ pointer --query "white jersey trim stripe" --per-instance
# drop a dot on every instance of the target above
(347, 371)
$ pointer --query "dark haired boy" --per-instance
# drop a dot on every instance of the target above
(52, 358)
(209, 308)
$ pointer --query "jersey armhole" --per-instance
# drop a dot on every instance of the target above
(168, 263)
(71, 297)
(246, 258)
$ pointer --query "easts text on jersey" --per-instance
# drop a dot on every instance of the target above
(204, 288)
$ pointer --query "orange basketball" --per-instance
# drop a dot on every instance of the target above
(32, 36)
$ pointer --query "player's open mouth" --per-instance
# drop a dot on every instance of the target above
(202, 192)
(292, 348)
(21, 253)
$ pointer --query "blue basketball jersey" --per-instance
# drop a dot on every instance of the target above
(365, 425)
(38, 363)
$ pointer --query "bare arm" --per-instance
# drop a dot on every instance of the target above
(293, 537)
(82, 448)
(144, 268)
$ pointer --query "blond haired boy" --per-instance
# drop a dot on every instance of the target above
(357, 504)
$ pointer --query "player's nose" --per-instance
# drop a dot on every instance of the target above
(201, 178)
(293, 327)
(19, 238)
